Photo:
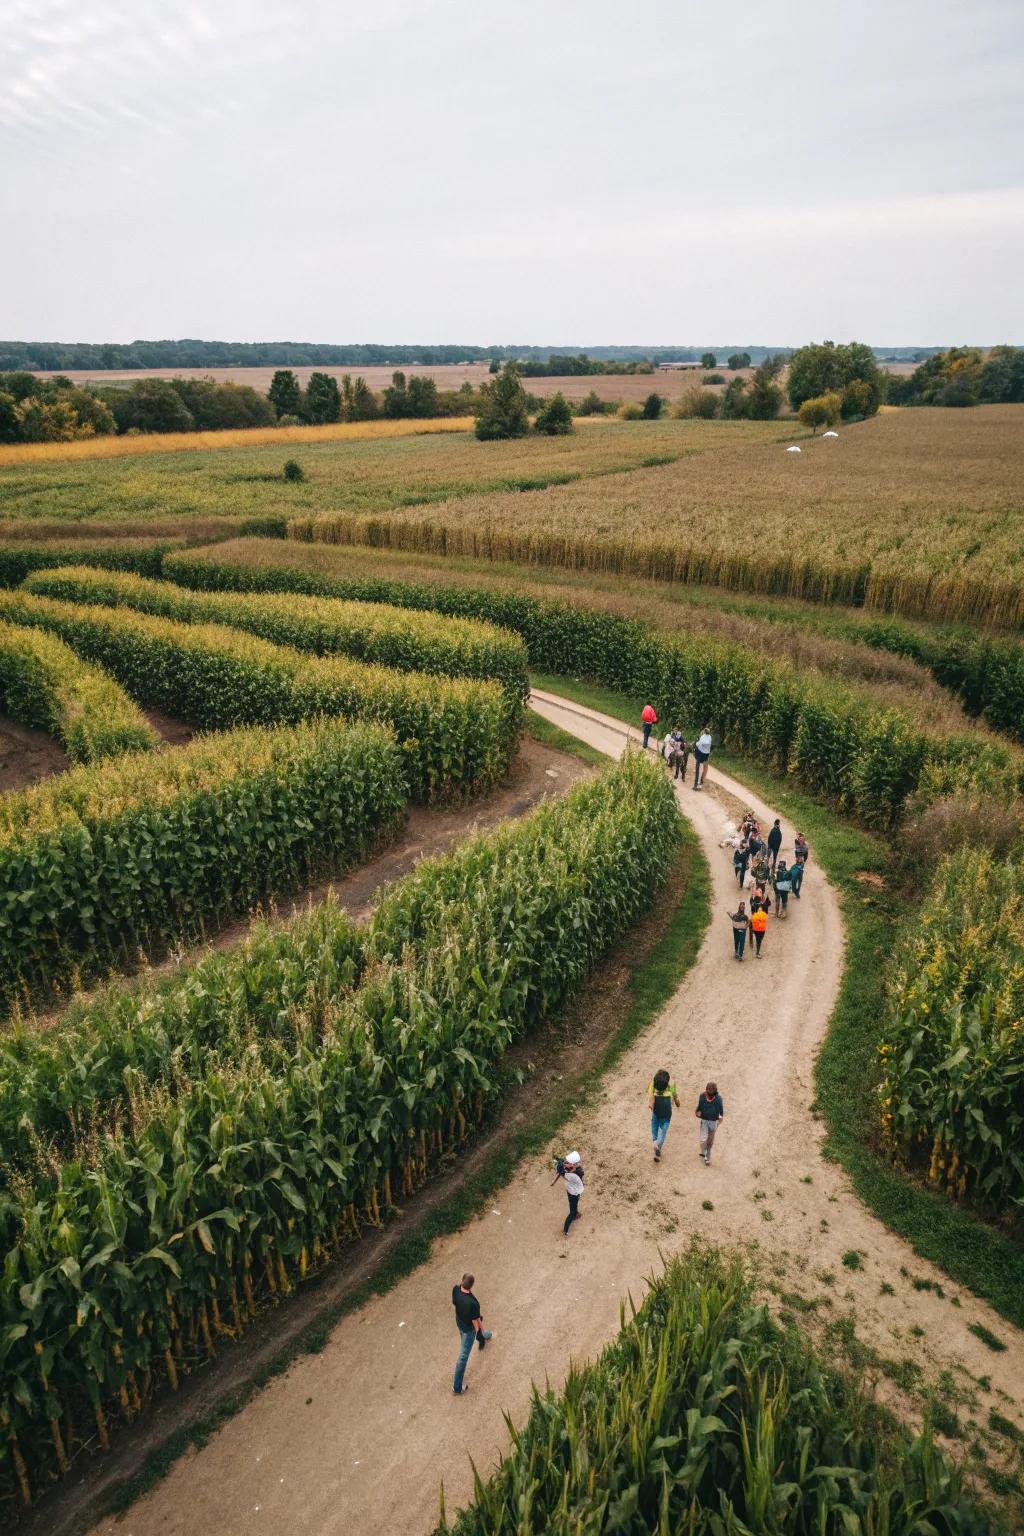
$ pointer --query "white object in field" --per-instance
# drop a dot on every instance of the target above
(830, 434)
(794, 449)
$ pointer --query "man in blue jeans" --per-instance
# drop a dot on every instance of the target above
(467, 1316)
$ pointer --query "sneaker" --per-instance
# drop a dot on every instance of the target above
(707, 1159)
(657, 1154)
(459, 1390)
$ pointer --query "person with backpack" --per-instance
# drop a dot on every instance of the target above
(740, 860)
(801, 853)
(758, 925)
(739, 920)
(682, 755)
(701, 753)
(648, 719)
(774, 842)
(470, 1326)
(783, 884)
(661, 1095)
(710, 1112)
(570, 1168)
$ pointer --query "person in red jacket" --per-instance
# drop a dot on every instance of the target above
(649, 718)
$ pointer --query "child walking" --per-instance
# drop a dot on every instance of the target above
(661, 1095)
(710, 1113)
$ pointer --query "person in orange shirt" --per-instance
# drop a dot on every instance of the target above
(758, 927)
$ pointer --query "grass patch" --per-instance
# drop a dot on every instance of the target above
(987, 1337)
(962, 1245)
(852, 1259)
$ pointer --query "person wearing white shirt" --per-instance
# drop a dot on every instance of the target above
(701, 753)
(571, 1170)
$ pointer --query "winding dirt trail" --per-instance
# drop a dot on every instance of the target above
(357, 1439)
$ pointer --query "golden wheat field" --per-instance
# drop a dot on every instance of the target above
(15, 454)
(920, 512)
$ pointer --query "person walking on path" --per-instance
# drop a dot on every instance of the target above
(710, 1112)
(648, 718)
(740, 860)
(682, 756)
(774, 842)
(758, 926)
(739, 920)
(661, 1095)
(470, 1325)
(801, 853)
(783, 883)
(701, 753)
(570, 1168)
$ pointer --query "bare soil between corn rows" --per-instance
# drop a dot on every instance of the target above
(357, 1438)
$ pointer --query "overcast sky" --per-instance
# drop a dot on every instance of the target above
(563, 171)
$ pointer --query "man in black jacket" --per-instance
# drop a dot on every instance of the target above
(774, 843)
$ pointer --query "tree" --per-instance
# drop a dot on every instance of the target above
(592, 405)
(285, 393)
(555, 419)
(708, 360)
(151, 405)
(49, 421)
(764, 400)
(502, 410)
(10, 421)
(1002, 377)
(364, 406)
(323, 399)
(396, 397)
(820, 411)
(652, 407)
(823, 368)
(857, 400)
(701, 404)
(737, 360)
(735, 405)
(422, 399)
(293, 471)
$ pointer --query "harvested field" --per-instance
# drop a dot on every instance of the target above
(917, 512)
(242, 478)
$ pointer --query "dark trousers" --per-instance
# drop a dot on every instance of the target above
(739, 939)
(757, 937)
(741, 872)
(682, 758)
(647, 732)
(574, 1211)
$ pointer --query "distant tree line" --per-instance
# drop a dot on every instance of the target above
(963, 376)
(580, 364)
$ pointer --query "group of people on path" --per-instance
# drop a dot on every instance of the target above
(662, 1097)
(675, 748)
(757, 861)
(759, 858)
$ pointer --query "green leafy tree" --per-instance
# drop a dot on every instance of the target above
(708, 360)
(151, 405)
(738, 360)
(502, 410)
(322, 401)
(365, 406)
(293, 471)
(764, 398)
(285, 393)
(699, 404)
(10, 421)
(555, 419)
(396, 397)
(820, 411)
(735, 404)
(49, 421)
(1002, 376)
(653, 406)
(824, 368)
(422, 398)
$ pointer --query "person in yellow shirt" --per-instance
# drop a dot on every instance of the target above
(661, 1095)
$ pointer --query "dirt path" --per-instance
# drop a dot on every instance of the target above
(355, 1440)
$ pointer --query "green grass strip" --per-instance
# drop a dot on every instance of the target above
(967, 1249)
